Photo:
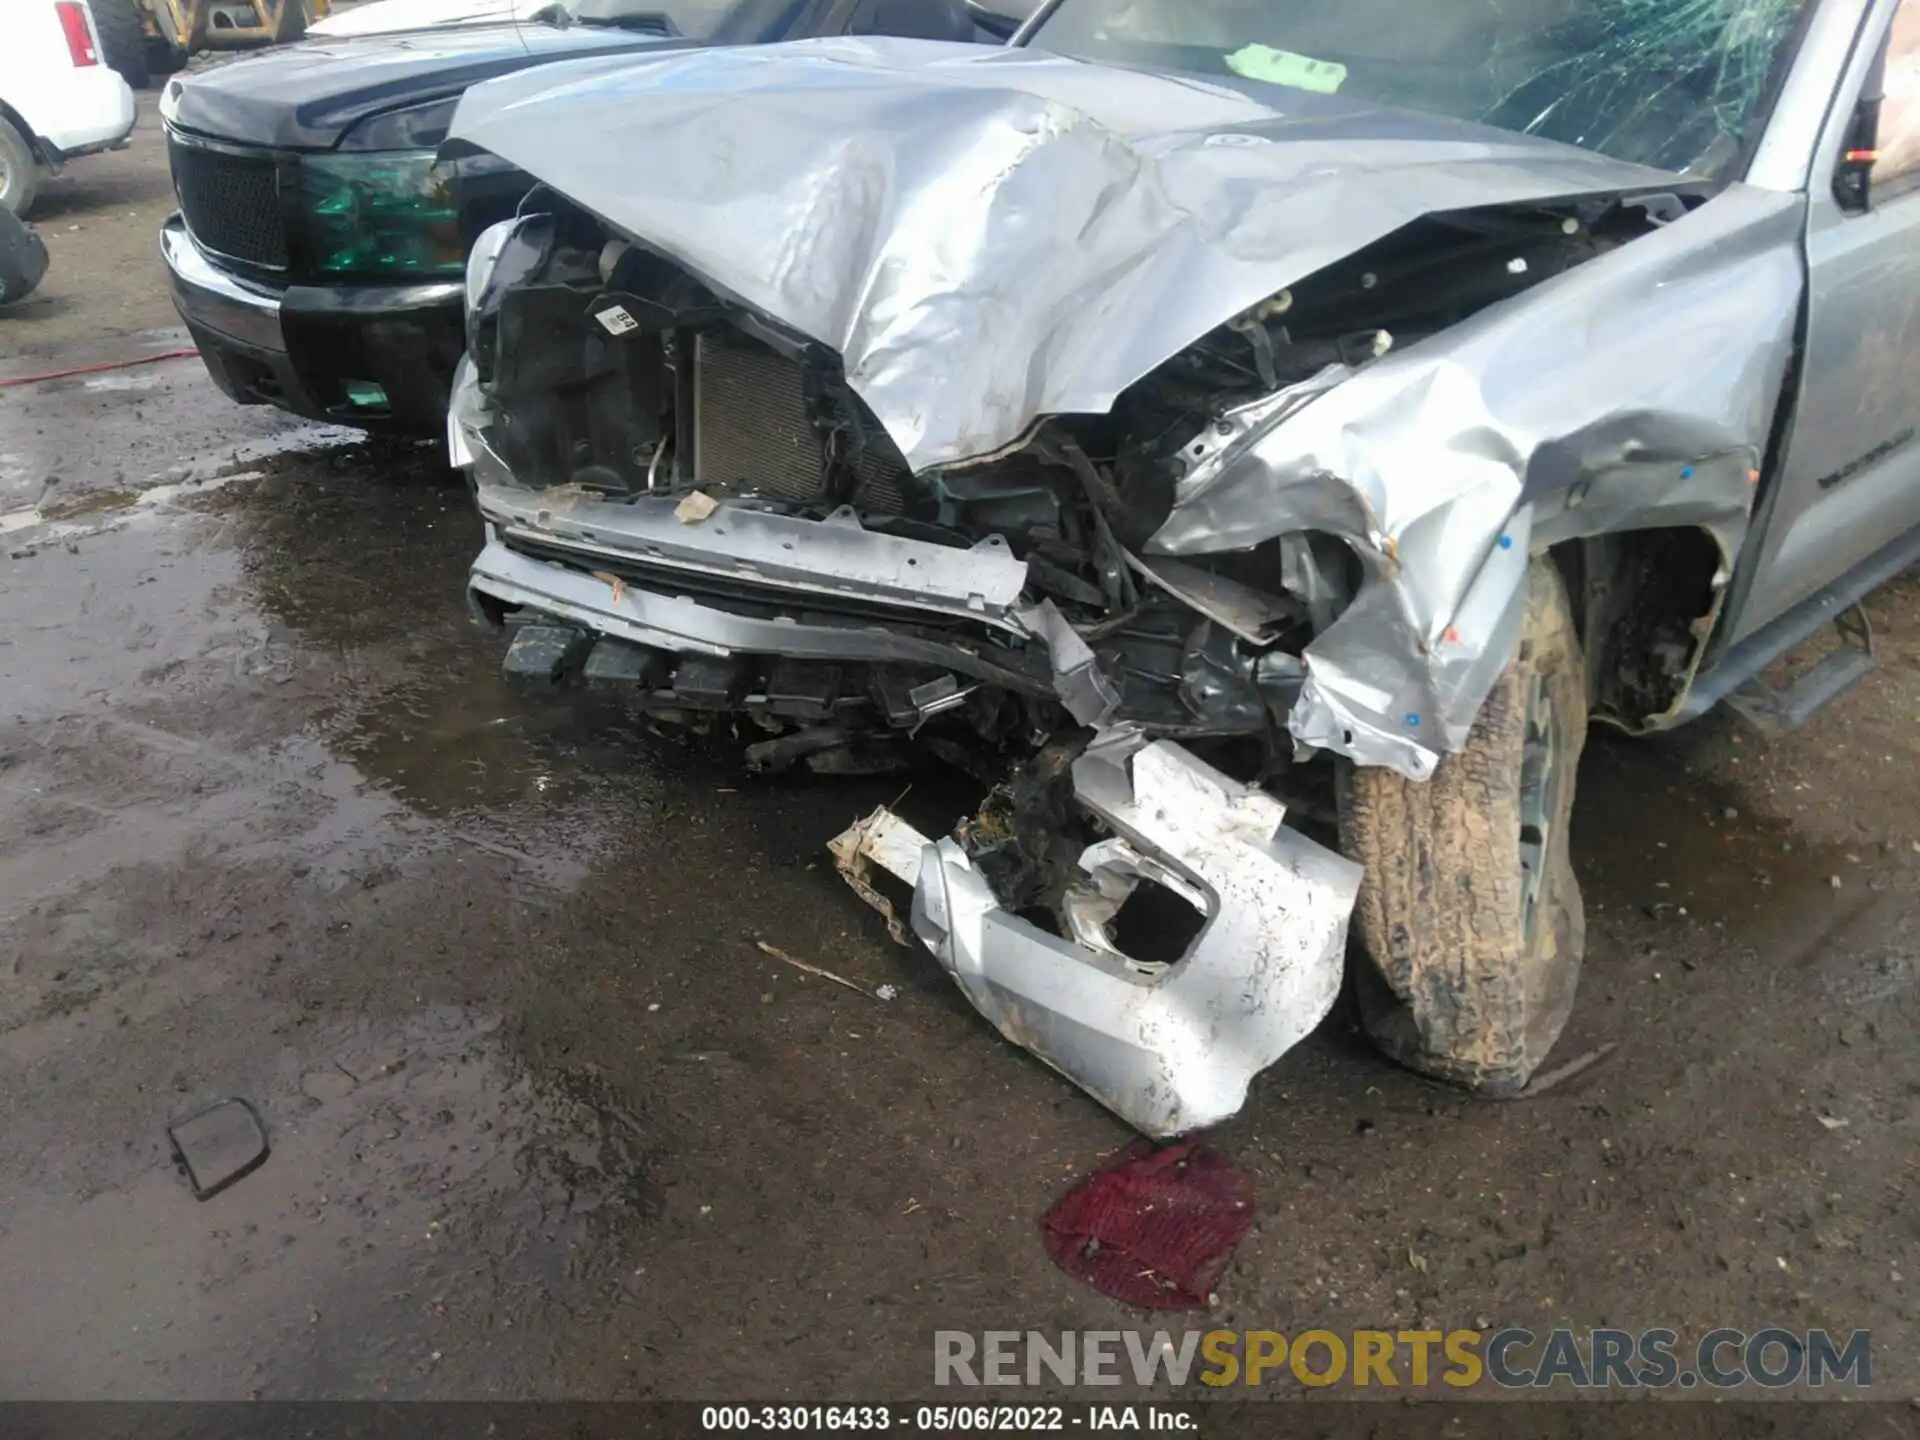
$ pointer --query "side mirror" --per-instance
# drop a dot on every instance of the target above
(1853, 178)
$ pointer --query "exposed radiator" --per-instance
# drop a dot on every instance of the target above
(751, 431)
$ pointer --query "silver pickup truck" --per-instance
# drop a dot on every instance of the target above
(1196, 407)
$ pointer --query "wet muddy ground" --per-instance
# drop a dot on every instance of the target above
(546, 1122)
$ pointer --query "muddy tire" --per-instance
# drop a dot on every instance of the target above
(123, 40)
(1469, 911)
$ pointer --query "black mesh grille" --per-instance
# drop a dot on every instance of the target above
(231, 203)
(752, 431)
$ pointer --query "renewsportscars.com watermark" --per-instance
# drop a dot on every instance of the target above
(1512, 1359)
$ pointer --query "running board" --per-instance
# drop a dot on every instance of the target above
(1775, 712)
(1741, 664)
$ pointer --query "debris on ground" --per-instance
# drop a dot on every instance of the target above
(1546, 1080)
(1155, 1227)
(785, 959)
(696, 507)
(219, 1145)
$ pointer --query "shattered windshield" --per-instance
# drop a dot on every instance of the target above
(1677, 84)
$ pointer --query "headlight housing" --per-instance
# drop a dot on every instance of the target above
(384, 215)
(504, 255)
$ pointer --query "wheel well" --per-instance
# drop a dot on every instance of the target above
(15, 119)
(1646, 602)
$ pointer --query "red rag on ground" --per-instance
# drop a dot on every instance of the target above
(1154, 1227)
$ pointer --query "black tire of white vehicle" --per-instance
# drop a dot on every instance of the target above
(123, 40)
(1469, 910)
(19, 172)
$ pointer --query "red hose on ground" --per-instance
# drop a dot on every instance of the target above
(96, 369)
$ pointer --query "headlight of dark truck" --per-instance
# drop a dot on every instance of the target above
(379, 208)
(387, 216)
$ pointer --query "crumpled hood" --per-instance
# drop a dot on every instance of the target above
(991, 236)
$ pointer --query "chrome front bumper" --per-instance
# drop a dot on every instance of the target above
(288, 347)
(208, 296)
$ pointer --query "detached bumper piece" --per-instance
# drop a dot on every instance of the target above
(1171, 1048)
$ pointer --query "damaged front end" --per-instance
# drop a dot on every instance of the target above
(1120, 511)
(688, 505)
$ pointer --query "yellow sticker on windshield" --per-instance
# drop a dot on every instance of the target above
(1283, 67)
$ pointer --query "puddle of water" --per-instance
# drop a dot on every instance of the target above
(399, 1150)
(371, 564)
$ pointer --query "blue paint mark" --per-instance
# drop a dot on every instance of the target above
(1506, 542)
(1686, 472)
(1413, 721)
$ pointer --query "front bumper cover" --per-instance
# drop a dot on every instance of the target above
(1169, 1049)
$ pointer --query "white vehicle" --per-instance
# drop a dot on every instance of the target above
(58, 99)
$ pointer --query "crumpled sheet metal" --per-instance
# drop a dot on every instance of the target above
(989, 236)
(1086, 690)
(1168, 1049)
(1637, 391)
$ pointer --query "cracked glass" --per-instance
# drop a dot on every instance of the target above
(1677, 84)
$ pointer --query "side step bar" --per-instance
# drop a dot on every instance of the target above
(1827, 681)
(1774, 712)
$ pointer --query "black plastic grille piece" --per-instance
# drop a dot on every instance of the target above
(231, 202)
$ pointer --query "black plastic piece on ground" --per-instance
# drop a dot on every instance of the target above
(545, 655)
(219, 1145)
